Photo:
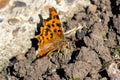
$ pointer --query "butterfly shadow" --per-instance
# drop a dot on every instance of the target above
(37, 32)
(40, 24)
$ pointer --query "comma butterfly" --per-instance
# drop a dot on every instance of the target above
(51, 36)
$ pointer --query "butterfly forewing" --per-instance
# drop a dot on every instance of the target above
(51, 37)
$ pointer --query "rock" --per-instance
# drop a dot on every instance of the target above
(2, 77)
(116, 22)
(18, 23)
(92, 8)
(80, 33)
(89, 56)
(113, 71)
(3, 3)
(95, 40)
(20, 57)
(19, 4)
(118, 38)
(16, 32)
(78, 70)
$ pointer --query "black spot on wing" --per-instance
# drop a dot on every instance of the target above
(55, 17)
(59, 30)
(42, 37)
(48, 19)
(48, 25)
(58, 24)
(46, 33)
(54, 30)
(53, 25)
(51, 35)
(53, 22)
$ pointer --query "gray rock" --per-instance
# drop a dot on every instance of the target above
(18, 22)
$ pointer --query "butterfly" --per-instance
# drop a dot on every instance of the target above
(51, 35)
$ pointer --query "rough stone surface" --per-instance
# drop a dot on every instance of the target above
(92, 53)
(18, 22)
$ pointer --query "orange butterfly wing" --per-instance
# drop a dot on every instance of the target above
(51, 36)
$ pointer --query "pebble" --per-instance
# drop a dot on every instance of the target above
(92, 8)
(3, 3)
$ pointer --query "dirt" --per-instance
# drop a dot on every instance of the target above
(88, 49)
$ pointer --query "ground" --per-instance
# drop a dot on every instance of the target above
(87, 51)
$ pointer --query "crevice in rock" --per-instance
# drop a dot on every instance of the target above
(73, 56)
(115, 7)
(62, 74)
(104, 74)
